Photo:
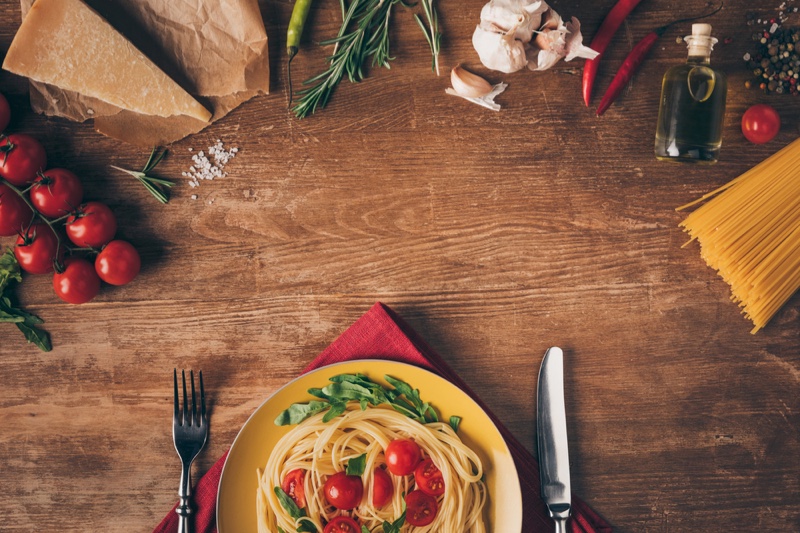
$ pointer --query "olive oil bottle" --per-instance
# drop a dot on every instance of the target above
(692, 109)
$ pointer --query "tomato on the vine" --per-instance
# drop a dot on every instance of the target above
(56, 192)
(342, 524)
(78, 283)
(93, 225)
(15, 215)
(293, 482)
(5, 113)
(37, 249)
(382, 487)
(402, 456)
(117, 264)
(343, 491)
(421, 508)
(429, 478)
(760, 123)
(21, 157)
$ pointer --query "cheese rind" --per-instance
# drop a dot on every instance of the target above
(67, 44)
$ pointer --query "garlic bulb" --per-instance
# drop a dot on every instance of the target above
(467, 84)
(499, 51)
(522, 15)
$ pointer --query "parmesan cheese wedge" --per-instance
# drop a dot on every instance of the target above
(67, 44)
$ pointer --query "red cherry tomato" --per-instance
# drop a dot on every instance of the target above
(21, 157)
(78, 283)
(402, 456)
(342, 524)
(15, 215)
(760, 123)
(117, 264)
(421, 508)
(382, 488)
(37, 249)
(94, 225)
(293, 482)
(343, 491)
(5, 113)
(56, 192)
(429, 478)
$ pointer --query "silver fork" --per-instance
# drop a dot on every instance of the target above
(189, 433)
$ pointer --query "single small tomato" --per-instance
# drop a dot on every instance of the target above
(37, 249)
(421, 508)
(402, 456)
(429, 478)
(56, 192)
(293, 482)
(93, 225)
(5, 113)
(342, 524)
(78, 283)
(382, 488)
(343, 492)
(15, 215)
(117, 264)
(21, 157)
(761, 123)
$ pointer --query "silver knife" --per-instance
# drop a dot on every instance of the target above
(551, 424)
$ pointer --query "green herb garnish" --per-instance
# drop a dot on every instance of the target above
(25, 322)
(294, 511)
(156, 186)
(394, 527)
(455, 421)
(357, 465)
(431, 31)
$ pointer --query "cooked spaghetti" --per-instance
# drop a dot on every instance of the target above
(749, 231)
(324, 448)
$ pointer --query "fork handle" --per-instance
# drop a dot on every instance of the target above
(184, 510)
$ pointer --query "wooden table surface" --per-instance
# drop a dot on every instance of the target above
(495, 235)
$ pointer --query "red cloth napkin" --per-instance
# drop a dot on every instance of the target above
(382, 334)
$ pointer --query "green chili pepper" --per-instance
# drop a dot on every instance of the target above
(296, 24)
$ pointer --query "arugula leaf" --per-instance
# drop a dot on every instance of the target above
(306, 526)
(294, 511)
(297, 412)
(357, 465)
(9, 269)
(394, 527)
(26, 322)
(364, 529)
(35, 335)
(454, 422)
(336, 409)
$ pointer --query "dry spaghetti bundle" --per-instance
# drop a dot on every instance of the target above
(749, 231)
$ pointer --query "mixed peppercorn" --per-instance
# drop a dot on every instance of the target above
(776, 63)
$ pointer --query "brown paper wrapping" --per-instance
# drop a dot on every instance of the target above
(215, 49)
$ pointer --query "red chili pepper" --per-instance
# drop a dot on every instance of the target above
(600, 42)
(634, 60)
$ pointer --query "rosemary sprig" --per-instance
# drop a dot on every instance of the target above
(431, 31)
(154, 185)
(364, 32)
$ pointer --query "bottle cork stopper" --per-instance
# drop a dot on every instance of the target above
(701, 29)
(700, 41)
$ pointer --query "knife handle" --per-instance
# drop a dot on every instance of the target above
(561, 524)
(560, 515)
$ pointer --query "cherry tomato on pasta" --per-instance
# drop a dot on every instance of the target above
(21, 157)
(117, 264)
(15, 215)
(5, 113)
(293, 482)
(37, 249)
(342, 524)
(382, 487)
(760, 123)
(56, 192)
(92, 226)
(429, 478)
(78, 283)
(421, 508)
(343, 491)
(402, 456)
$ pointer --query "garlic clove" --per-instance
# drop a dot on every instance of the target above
(467, 84)
(499, 51)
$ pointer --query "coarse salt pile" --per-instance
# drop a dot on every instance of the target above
(204, 168)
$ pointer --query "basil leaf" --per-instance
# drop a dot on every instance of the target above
(306, 526)
(297, 412)
(357, 465)
(288, 504)
(454, 422)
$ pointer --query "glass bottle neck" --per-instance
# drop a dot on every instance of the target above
(699, 59)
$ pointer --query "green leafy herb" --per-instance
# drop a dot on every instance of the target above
(294, 511)
(345, 388)
(454, 422)
(25, 322)
(357, 465)
(306, 526)
(394, 527)
(364, 529)
(158, 187)
(431, 31)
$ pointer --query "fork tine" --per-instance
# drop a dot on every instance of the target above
(194, 420)
(202, 401)
(185, 407)
(175, 381)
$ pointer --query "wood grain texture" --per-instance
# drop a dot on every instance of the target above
(495, 235)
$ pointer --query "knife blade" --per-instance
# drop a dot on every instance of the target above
(551, 424)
